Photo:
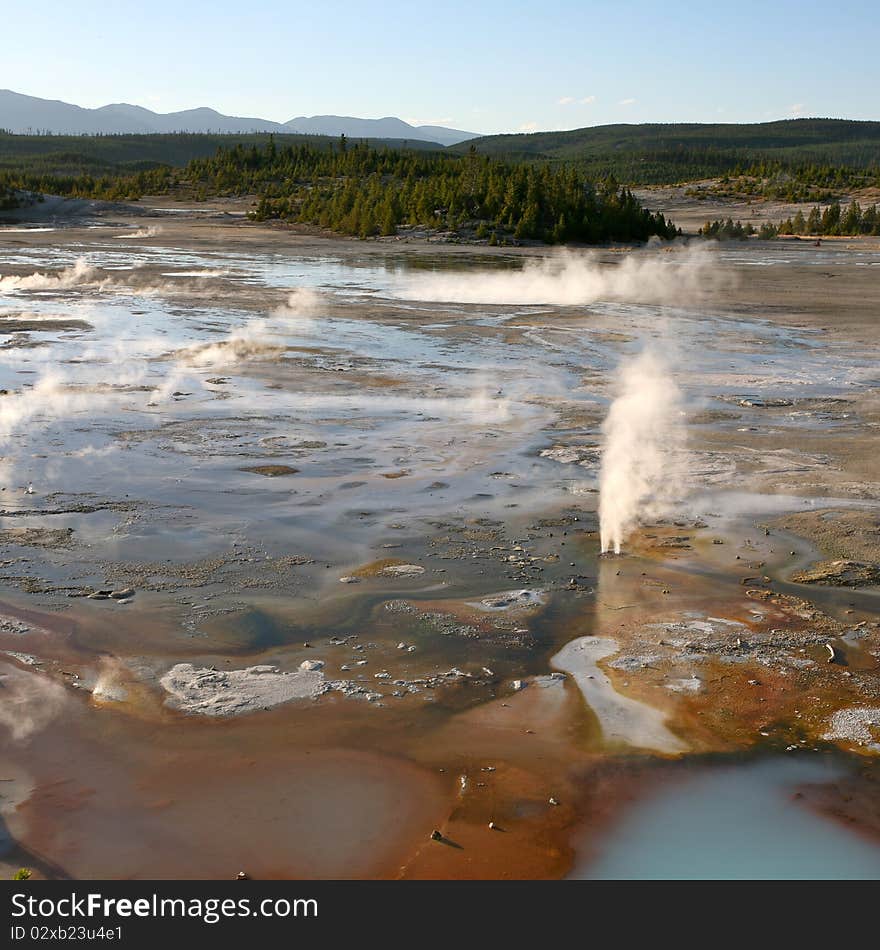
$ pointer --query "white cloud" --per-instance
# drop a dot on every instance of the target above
(796, 109)
(626, 102)
(569, 100)
(566, 100)
(529, 127)
(588, 100)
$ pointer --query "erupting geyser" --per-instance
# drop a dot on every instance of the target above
(643, 433)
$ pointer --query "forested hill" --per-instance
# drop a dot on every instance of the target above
(75, 155)
(356, 189)
(364, 191)
(679, 152)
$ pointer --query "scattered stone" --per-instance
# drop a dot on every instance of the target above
(840, 574)
(857, 725)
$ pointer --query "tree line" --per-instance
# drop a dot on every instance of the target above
(8, 198)
(363, 191)
(784, 181)
(834, 220)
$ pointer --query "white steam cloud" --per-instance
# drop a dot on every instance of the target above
(257, 337)
(60, 394)
(640, 473)
(571, 278)
(80, 273)
(147, 232)
(136, 280)
(28, 702)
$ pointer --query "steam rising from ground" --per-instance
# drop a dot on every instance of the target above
(570, 279)
(150, 231)
(138, 280)
(30, 701)
(61, 391)
(78, 274)
(640, 473)
(58, 393)
(258, 337)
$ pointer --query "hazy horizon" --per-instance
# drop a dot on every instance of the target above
(571, 65)
(390, 115)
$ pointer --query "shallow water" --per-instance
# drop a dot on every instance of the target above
(411, 428)
(736, 822)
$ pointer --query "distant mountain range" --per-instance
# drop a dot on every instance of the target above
(28, 114)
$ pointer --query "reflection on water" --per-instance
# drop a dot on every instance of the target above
(234, 491)
(737, 822)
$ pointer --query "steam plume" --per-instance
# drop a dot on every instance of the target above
(150, 231)
(30, 701)
(643, 435)
(257, 337)
(78, 274)
(570, 278)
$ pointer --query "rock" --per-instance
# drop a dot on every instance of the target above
(517, 685)
(840, 574)
(123, 594)
(349, 579)
(311, 666)
(553, 801)
(210, 692)
(100, 595)
(402, 570)
(511, 600)
(271, 471)
(436, 835)
(456, 673)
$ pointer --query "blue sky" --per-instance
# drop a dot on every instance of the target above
(484, 66)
